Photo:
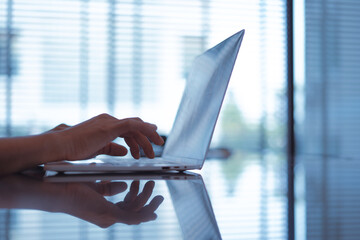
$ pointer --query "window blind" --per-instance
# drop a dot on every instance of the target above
(70, 60)
(331, 115)
(332, 56)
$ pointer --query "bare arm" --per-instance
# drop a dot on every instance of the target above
(85, 140)
(20, 153)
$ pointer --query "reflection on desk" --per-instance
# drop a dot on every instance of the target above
(106, 201)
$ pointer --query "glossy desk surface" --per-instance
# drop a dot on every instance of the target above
(236, 201)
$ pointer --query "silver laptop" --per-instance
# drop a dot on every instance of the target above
(190, 137)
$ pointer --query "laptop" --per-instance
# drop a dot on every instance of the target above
(188, 195)
(190, 137)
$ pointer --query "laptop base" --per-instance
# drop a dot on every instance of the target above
(115, 164)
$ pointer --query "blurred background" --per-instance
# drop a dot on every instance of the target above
(64, 61)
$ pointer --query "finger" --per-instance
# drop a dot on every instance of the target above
(144, 196)
(132, 194)
(149, 130)
(154, 204)
(145, 145)
(113, 149)
(134, 147)
(128, 126)
(109, 188)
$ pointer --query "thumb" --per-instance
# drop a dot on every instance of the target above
(113, 149)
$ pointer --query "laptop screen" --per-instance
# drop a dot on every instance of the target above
(205, 89)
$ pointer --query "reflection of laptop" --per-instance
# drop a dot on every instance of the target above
(188, 194)
(190, 137)
(193, 209)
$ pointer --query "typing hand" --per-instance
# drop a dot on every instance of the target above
(94, 136)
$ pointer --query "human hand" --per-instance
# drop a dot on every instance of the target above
(94, 136)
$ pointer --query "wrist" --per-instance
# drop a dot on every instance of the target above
(54, 146)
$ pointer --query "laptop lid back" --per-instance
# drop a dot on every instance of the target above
(199, 109)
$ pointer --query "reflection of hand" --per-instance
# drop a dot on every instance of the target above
(134, 203)
(130, 211)
(95, 136)
(82, 200)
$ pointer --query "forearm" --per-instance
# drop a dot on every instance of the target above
(20, 153)
(18, 191)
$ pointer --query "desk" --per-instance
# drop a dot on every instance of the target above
(245, 200)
